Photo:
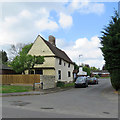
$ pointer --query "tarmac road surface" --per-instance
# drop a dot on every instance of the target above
(96, 101)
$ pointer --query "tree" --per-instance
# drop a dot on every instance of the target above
(15, 50)
(76, 67)
(104, 67)
(3, 57)
(23, 61)
(93, 68)
(26, 48)
(110, 42)
(86, 69)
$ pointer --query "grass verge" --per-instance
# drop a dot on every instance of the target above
(14, 88)
(104, 77)
(69, 85)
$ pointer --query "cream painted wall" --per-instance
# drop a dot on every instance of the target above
(49, 62)
(48, 72)
(64, 70)
(40, 48)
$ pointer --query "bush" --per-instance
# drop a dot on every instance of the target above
(60, 84)
(97, 76)
(115, 79)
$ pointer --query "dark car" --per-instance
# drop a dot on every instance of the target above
(81, 82)
(92, 80)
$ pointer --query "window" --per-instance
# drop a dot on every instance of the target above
(64, 63)
(69, 75)
(59, 74)
(68, 64)
(31, 71)
(39, 71)
(60, 61)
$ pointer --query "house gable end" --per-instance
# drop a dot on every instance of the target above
(40, 48)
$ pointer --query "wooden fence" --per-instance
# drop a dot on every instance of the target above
(19, 79)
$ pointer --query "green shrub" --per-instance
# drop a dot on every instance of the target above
(60, 84)
(97, 76)
(115, 79)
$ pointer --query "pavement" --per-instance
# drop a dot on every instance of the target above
(36, 92)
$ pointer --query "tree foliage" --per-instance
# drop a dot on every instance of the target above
(86, 69)
(110, 42)
(26, 48)
(23, 61)
(76, 67)
(3, 57)
(93, 68)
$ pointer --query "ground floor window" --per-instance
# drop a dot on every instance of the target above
(59, 74)
(69, 74)
(31, 71)
(39, 71)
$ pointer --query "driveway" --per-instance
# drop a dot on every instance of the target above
(96, 101)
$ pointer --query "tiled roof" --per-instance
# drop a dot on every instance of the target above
(58, 53)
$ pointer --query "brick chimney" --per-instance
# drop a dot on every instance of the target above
(52, 40)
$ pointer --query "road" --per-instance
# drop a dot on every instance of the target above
(96, 101)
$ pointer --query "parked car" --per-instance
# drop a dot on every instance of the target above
(81, 82)
(92, 80)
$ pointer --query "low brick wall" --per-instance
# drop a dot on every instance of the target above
(48, 81)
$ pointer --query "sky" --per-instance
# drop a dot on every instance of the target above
(76, 25)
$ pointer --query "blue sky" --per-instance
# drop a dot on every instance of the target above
(77, 26)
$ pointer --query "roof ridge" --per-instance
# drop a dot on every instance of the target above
(52, 45)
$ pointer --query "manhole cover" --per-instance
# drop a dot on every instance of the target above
(106, 112)
(19, 103)
(46, 108)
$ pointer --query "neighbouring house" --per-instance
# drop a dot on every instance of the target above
(101, 73)
(56, 62)
(81, 72)
(4, 69)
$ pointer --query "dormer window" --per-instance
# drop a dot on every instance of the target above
(68, 64)
(60, 61)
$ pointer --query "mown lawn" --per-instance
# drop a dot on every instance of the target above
(13, 88)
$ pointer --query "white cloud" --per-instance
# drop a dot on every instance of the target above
(76, 4)
(65, 20)
(25, 14)
(86, 7)
(43, 12)
(46, 24)
(90, 50)
(97, 8)
(80, 42)
(60, 43)
(17, 28)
